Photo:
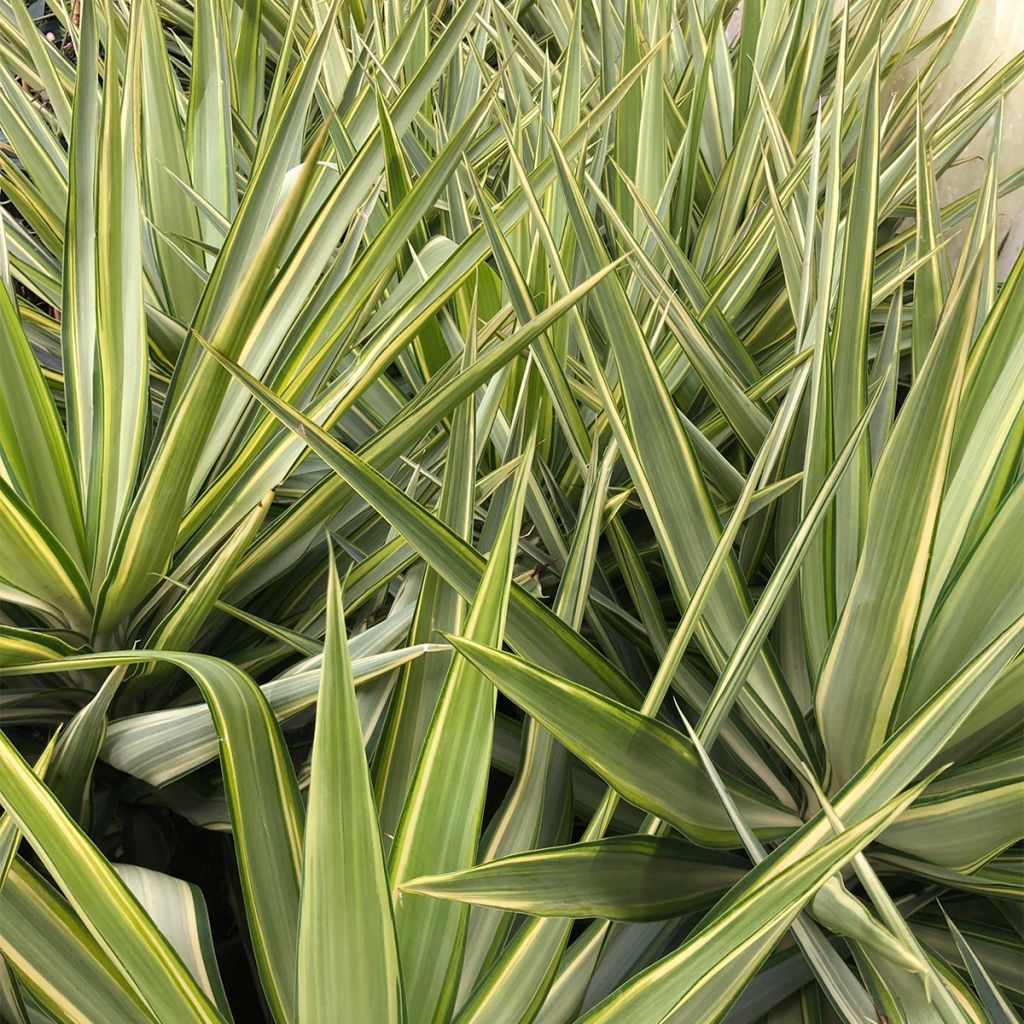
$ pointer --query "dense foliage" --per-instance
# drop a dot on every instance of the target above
(510, 511)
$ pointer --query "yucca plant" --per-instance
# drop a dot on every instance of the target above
(510, 512)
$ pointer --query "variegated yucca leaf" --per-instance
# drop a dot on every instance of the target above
(652, 374)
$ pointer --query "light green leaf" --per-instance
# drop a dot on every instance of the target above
(62, 965)
(113, 916)
(645, 761)
(347, 949)
(867, 657)
(624, 878)
(439, 827)
(266, 816)
(703, 976)
(178, 909)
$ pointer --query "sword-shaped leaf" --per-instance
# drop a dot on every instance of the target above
(347, 949)
(647, 762)
(623, 878)
(440, 823)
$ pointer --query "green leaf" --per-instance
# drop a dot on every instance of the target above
(867, 657)
(113, 916)
(61, 964)
(162, 746)
(850, 339)
(348, 960)
(106, 346)
(844, 991)
(930, 279)
(266, 815)
(439, 827)
(532, 628)
(440, 607)
(645, 761)
(39, 566)
(210, 149)
(700, 979)
(178, 909)
(33, 444)
(677, 504)
(624, 878)
(996, 1004)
